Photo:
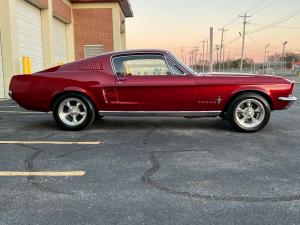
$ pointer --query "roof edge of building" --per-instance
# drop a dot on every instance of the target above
(124, 4)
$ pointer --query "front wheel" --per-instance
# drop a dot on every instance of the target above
(73, 112)
(249, 112)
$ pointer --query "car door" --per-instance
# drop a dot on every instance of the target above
(147, 82)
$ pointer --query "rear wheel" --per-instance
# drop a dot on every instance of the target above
(73, 112)
(249, 112)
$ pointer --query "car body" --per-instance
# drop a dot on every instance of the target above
(145, 82)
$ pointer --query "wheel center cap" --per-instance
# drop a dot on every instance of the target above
(73, 111)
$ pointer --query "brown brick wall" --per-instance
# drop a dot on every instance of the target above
(92, 27)
(62, 11)
(42, 4)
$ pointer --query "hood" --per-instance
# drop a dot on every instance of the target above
(250, 78)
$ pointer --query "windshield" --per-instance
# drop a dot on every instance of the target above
(189, 69)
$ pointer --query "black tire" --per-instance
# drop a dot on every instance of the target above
(234, 112)
(98, 117)
(87, 107)
(224, 116)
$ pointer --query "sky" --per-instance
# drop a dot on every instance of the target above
(177, 24)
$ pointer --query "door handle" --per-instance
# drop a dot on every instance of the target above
(122, 78)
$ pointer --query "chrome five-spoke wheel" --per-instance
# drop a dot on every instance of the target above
(73, 111)
(249, 112)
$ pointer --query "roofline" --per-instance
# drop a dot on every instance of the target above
(136, 51)
(124, 4)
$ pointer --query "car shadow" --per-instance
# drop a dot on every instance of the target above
(112, 123)
(133, 123)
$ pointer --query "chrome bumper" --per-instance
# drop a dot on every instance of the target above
(291, 100)
(288, 99)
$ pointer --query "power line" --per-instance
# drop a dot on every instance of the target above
(280, 27)
(233, 40)
(248, 11)
(266, 6)
(254, 40)
(280, 21)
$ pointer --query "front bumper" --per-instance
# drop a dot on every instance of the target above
(290, 100)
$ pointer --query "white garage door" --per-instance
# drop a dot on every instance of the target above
(60, 41)
(1, 71)
(29, 34)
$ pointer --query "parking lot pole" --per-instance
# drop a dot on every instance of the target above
(211, 53)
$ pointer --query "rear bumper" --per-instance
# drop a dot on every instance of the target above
(290, 100)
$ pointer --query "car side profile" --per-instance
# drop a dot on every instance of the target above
(149, 83)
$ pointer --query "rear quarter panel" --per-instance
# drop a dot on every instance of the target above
(36, 92)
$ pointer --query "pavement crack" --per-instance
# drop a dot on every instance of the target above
(148, 134)
(147, 179)
(29, 166)
(29, 161)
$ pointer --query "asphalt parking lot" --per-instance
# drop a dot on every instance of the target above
(149, 171)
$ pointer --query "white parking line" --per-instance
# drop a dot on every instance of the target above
(10, 106)
(52, 142)
(22, 112)
(42, 174)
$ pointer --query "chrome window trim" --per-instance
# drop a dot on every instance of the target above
(162, 113)
(173, 59)
(169, 59)
(136, 54)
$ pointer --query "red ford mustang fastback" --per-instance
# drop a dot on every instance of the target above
(149, 83)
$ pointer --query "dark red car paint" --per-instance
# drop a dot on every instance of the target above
(95, 78)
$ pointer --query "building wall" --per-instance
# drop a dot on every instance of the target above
(42, 4)
(104, 19)
(62, 11)
(92, 27)
(86, 23)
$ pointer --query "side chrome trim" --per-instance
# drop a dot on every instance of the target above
(288, 99)
(162, 113)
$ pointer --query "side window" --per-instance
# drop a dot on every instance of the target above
(141, 65)
(175, 70)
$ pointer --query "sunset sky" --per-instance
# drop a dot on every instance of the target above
(185, 23)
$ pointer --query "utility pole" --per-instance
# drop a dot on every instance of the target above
(283, 54)
(223, 60)
(203, 55)
(217, 49)
(228, 61)
(211, 53)
(221, 45)
(206, 55)
(182, 54)
(265, 57)
(196, 50)
(243, 44)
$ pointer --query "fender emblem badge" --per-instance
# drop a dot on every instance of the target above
(219, 100)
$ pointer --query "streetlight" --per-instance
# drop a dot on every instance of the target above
(283, 54)
(267, 46)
